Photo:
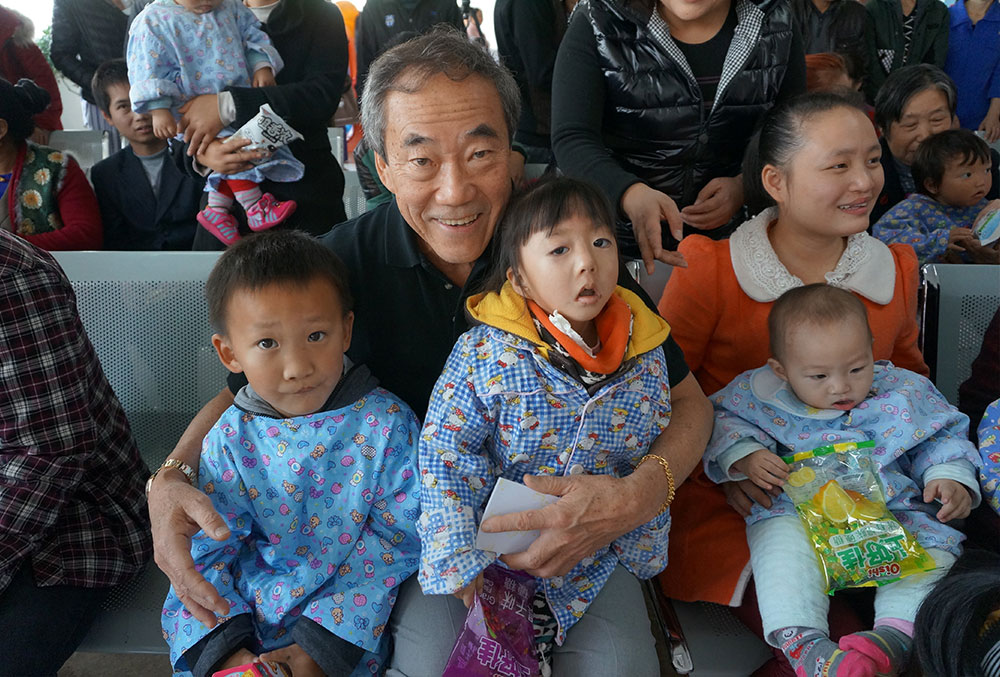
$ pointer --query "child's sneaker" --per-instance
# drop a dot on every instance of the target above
(219, 223)
(254, 670)
(268, 212)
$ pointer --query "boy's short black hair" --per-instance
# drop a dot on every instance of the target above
(935, 152)
(817, 303)
(286, 257)
(112, 72)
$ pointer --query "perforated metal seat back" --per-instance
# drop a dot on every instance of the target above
(966, 298)
(146, 315)
(354, 198)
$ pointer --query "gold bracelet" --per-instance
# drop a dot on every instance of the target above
(188, 471)
(670, 479)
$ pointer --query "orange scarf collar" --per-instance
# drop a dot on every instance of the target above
(612, 329)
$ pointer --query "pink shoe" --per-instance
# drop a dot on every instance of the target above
(268, 212)
(219, 223)
(254, 670)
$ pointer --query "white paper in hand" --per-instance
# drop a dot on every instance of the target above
(508, 497)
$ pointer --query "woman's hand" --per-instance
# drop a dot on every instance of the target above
(264, 77)
(229, 157)
(177, 511)
(743, 494)
(646, 208)
(991, 123)
(200, 122)
(716, 203)
(164, 126)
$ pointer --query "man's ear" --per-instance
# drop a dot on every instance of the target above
(107, 118)
(778, 370)
(384, 175)
(225, 353)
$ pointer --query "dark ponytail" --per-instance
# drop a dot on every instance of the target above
(18, 104)
(778, 138)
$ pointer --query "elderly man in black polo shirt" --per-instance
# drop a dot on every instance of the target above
(440, 115)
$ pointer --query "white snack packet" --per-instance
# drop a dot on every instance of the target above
(266, 131)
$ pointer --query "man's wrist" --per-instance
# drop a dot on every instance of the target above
(173, 468)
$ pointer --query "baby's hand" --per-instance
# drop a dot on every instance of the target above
(764, 469)
(164, 125)
(956, 501)
(264, 77)
(468, 593)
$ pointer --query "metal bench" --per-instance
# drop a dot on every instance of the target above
(146, 315)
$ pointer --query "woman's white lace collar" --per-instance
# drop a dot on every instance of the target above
(866, 266)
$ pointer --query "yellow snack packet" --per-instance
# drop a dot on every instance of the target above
(839, 499)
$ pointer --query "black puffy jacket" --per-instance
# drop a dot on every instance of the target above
(653, 126)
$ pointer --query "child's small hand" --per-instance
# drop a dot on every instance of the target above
(164, 125)
(468, 593)
(764, 469)
(264, 77)
(956, 501)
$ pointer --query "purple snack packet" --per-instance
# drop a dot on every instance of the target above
(498, 639)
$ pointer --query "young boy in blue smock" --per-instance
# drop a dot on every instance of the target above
(314, 469)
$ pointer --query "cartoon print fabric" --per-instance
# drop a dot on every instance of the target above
(918, 435)
(322, 510)
(989, 450)
(501, 410)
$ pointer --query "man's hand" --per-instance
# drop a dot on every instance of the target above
(229, 157)
(646, 208)
(200, 122)
(956, 501)
(468, 593)
(978, 253)
(716, 203)
(164, 126)
(177, 511)
(593, 510)
(764, 469)
(743, 494)
(264, 77)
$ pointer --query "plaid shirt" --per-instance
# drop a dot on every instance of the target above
(71, 492)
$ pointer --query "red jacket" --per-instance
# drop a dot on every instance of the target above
(21, 58)
(78, 210)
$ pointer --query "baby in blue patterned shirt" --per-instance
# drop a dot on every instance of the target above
(951, 171)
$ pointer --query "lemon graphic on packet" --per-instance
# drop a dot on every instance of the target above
(835, 504)
(802, 477)
(864, 508)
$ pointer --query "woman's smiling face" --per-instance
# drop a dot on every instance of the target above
(830, 183)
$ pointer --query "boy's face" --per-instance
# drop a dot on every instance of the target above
(199, 6)
(964, 184)
(828, 366)
(289, 340)
(136, 127)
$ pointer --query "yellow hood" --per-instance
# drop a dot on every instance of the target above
(507, 311)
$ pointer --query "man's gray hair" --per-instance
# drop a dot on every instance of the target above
(406, 67)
